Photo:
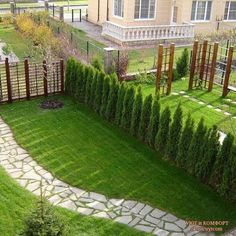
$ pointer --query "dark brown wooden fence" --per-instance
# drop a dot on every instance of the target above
(24, 80)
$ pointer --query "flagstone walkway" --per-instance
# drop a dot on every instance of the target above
(20, 166)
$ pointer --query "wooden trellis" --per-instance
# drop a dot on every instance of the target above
(207, 62)
(164, 74)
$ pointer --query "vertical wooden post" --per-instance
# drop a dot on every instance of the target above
(53, 10)
(170, 69)
(213, 67)
(87, 49)
(193, 65)
(203, 60)
(62, 74)
(45, 78)
(72, 15)
(80, 15)
(228, 71)
(8, 77)
(27, 84)
(159, 68)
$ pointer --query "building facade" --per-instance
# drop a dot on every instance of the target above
(137, 20)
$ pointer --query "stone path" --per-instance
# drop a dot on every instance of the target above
(12, 56)
(20, 166)
(185, 95)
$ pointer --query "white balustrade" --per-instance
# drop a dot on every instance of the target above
(144, 33)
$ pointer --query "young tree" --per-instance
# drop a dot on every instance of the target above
(208, 156)
(185, 142)
(221, 160)
(120, 102)
(93, 91)
(43, 220)
(105, 94)
(162, 134)
(98, 92)
(145, 117)
(90, 76)
(69, 67)
(154, 123)
(112, 101)
(136, 114)
(182, 64)
(195, 149)
(127, 108)
(174, 134)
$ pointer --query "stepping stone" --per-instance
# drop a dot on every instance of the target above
(218, 110)
(135, 221)
(234, 117)
(160, 232)
(169, 218)
(181, 223)
(129, 204)
(145, 210)
(33, 186)
(137, 208)
(179, 234)
(186, 96)
(98, 197)
(201, 103)
(175, 94)
(116, 202)
(209, 106)
(227, 114)
(97, 205)
(78, 192)
(157, 213)
(86, 200)
(55, 199)
(102, 215)
(68, 204)
(182, 92)
(172, 227)
(152, 220)
(147, 229)
(124, 219)
(85, 211)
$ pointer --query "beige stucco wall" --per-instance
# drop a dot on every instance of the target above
(163, 14)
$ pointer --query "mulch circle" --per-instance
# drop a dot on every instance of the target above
(51, 104)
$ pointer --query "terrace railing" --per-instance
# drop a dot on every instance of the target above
(148, 33)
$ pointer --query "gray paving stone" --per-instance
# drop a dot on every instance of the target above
(172, 227)
(97, 205)
(152, 220)
(78, 192)
(85, 211)
(68, 204)
(116, 202)
(98, 197)
(144, 228)
(181, 223)
(129, 204)
(157, 213)
(135, 221)
(33, 186)
(160, 232)
(137, 208)
(145, 210)
(102, 215)
(124, 219)
(55, 199)
(169, 218)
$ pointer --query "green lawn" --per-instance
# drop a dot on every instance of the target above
(18, 44)
(82, 149)
(16, 203)
(211, 117)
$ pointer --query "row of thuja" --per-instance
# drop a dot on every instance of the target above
(193, 147)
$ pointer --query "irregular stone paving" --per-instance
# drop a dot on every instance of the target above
(20, 166)
(184, 94)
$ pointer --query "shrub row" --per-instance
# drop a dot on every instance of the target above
(198, 151)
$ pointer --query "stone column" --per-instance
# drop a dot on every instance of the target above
(108, 60)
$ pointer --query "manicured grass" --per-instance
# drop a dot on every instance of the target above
(19, 45)
(82, 149)
(211, 117)
(16, 203)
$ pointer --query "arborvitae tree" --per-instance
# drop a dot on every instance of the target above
(208, 157)
(227, 184)
(112, 100)
(69, 68)
(136, 113)
(145, 117)
(105, 94)
(162, 134)
(75, 89)
(93, 90)
(154, 123)
(91, 74)
(196, 145)
(98, 92)
(127, 108)
(120, 102)
(185, 142)
(174, 134)
(182, 64)
(221, 160)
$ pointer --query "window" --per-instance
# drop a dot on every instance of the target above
(144, 9)
(119, 8)
(230, 11)
(201, 10)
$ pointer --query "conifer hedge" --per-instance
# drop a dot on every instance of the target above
(195, 149)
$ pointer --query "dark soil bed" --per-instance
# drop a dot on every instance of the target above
(51, 104)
